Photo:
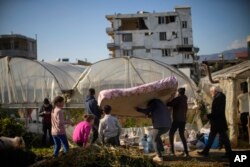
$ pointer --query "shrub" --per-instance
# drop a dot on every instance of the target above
(11, 127)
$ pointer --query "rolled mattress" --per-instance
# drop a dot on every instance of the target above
(124, 101)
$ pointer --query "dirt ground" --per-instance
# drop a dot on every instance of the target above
(214, 160)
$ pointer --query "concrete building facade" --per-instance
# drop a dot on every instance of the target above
(165, 36)
(15, 45)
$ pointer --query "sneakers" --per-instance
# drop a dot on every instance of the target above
(186, 155)
(157, 159)
(202, 153)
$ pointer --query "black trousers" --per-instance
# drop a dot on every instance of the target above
(181, 127)
(244, 120)
(113, 141)
(223, 137)
(47, 129)
(95, 134)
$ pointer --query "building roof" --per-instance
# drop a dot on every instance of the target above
(16, 36)
(241, 70)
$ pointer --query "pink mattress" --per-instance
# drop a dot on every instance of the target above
(123, 101)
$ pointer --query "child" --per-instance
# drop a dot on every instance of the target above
(109, 128)
(58, 129)
(82, 130)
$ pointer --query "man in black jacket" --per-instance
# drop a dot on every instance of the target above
(218, 122)
(91, 107)
(161, 119)
(180, 107)
(45, 113)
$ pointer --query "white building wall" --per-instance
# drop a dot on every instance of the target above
(141, 42)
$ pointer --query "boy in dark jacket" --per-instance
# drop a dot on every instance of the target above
(161, 119)
(180, 107)
(91, 107)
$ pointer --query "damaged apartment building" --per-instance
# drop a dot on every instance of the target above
(165, 36)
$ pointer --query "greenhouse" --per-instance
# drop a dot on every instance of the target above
(25, 83)
(126, 72)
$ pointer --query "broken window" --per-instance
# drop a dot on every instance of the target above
(166, 19)
(184, 24)
(166, 52)
(174, 34)
(163, 36)
(127, 52)
(127, 37)
(5, 44)
(133, 24)
(185, 41)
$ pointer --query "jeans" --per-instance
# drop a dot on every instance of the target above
(157, 142)
(58, 139)
(181, 127)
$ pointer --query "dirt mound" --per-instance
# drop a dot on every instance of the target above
(98, 157)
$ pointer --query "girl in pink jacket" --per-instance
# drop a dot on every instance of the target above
(82, 130)
(58, 130)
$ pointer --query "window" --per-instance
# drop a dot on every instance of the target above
(186, 56)
(166, 52)
(174, 34)
(184, 24)
(161, 20)
(166, 19)
(185, 41)
(127, 52)
(163, 36)
(147, 50)
(127, 37)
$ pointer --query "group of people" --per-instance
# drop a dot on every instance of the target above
(161, 119)
(160, 114)
(108, 128)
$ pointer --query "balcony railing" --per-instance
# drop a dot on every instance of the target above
(112, 46)
(110, 30)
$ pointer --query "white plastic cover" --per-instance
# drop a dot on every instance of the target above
(126, 72)
(25, 81)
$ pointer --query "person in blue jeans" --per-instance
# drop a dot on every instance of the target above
(58, 129)
(161, 119)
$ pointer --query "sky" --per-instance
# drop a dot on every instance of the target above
(76, 29)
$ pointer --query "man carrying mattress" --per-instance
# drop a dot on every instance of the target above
(180, 107)
(161, 119)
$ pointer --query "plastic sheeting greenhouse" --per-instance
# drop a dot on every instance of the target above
(25, 83)
(125, 72)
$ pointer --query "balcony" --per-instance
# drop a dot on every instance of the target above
(112, 46)
(110, 31)
(185, 49)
